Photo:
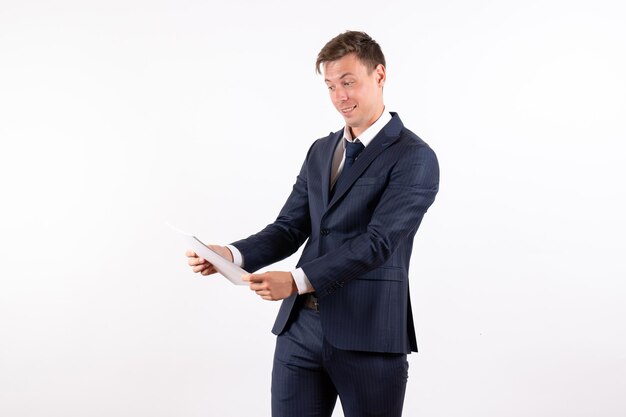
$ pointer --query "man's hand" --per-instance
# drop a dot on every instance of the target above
(273, 285)
(202, 265)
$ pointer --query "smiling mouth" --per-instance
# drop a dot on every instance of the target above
(348, 109)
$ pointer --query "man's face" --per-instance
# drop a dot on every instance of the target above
(356, 93)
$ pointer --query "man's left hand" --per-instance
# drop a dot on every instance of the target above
(273, 285)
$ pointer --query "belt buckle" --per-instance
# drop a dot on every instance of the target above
(311, 303)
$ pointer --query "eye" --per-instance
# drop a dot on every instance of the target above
(348, 83)
(331, 88)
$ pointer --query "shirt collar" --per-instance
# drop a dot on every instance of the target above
(370, 133)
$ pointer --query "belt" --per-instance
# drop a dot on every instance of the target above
(310, 302)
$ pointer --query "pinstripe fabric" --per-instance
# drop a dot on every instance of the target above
(301, 387)
(358, 247)
(359, 241)
(309, 373)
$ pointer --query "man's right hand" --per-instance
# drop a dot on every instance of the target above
(203, 266)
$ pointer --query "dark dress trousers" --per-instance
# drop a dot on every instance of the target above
(360, 239)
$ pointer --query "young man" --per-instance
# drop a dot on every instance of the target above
(345, 325)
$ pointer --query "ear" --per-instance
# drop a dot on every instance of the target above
(381, 75)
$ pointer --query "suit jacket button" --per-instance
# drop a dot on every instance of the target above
(324, 232)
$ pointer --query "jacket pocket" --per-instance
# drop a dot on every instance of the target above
(385, 273)
(370, 180)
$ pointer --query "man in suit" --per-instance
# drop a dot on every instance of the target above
(345, 324)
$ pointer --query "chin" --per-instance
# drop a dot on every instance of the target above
(352, 117)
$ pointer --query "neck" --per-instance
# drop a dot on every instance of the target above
(356, 131)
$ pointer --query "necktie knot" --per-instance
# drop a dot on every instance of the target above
(353, 149)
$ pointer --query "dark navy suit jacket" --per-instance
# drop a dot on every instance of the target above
(359, 240)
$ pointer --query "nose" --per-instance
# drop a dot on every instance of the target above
(340, 94)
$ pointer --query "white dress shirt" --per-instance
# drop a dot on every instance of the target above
(302, 282)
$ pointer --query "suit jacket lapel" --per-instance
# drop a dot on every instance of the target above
(386, 137)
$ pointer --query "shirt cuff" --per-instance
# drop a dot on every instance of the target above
(237, 256)
(302, 282)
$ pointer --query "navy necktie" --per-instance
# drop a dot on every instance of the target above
(353, 149)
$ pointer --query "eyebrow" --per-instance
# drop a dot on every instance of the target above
(341, 78)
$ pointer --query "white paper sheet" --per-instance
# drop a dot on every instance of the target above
(225, 267)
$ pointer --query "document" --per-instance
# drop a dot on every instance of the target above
(225, 267)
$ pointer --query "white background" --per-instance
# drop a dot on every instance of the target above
(117, 116)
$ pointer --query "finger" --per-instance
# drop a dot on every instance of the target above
(256, 287)
(190, 253)
(256, 278)
(208, 271)
(194, 261)
(203, 267)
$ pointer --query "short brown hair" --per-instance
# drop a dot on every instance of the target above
(359, 43)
